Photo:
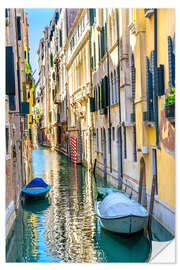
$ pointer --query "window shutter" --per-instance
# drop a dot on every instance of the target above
(105, 38)
(96, 103)
(160, 80)
(102, 42)
(173, 69)
(12, 106)
(92, 104)
(149, 87)
(99, 46)
(60, 38)
(99, 98)
(10, 78)
(170, 60)
(91, 13)
(106, 90)
(25, 107)
(19, 89)
(101, 95)
(91, 62)
(51, 59)
(19, 27)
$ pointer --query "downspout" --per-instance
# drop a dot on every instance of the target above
(110, 123)
(155, 81)
(119, 101)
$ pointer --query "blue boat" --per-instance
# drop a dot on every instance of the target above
(36, 189)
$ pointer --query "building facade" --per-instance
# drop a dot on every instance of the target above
(110, 98)
(16, 111)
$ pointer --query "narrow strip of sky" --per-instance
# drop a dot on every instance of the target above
(38, 19)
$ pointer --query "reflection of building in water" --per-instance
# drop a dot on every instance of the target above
(30, 237)
(70, 220)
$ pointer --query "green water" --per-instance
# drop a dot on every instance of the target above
(63, 227)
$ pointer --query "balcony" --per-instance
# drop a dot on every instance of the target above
(170, 112)
(148, 116)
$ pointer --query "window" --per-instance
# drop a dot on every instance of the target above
(7, 140)
(115, 88)
(134, 144)
(125, 146)
(113, 133)
(19, 28)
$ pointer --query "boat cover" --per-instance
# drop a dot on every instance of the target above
(37, 182)
(117, 204)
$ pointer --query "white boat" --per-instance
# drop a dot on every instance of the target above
(118, 213)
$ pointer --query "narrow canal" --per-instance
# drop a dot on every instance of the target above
(63, 227)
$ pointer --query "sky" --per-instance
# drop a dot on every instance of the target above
(38, 19)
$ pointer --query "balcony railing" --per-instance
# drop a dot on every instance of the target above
(170, 112)
(148, 116)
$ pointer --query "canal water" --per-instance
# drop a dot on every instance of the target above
(64, 227)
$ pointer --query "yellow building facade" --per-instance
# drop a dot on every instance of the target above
(152, 41)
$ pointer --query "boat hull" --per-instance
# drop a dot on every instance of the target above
(123, 225)
(35, 194)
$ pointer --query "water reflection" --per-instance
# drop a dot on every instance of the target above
(64, 228)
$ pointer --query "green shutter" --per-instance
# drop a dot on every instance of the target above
(92, 104)
(105, 38)
(25, 107)
(102, 42)
(149, 86)
(170, 60)
(60, 38)
(160, 80)
(106, 90)
(91, 14)
(10, 78)
(51, 59)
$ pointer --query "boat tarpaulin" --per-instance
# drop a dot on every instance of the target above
(117, 204)
(37, 182)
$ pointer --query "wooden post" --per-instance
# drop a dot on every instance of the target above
(140, 186)
(151, 202)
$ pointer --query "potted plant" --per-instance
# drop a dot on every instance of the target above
(170, 104)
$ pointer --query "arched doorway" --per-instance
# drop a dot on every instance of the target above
(142, 197)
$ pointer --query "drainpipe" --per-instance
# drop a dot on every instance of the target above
(110, 123)
(155, 81)
(119, 101)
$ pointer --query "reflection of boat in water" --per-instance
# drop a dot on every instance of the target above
(36, 206)
(118, 213)
(118, 248)
(36, 189)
